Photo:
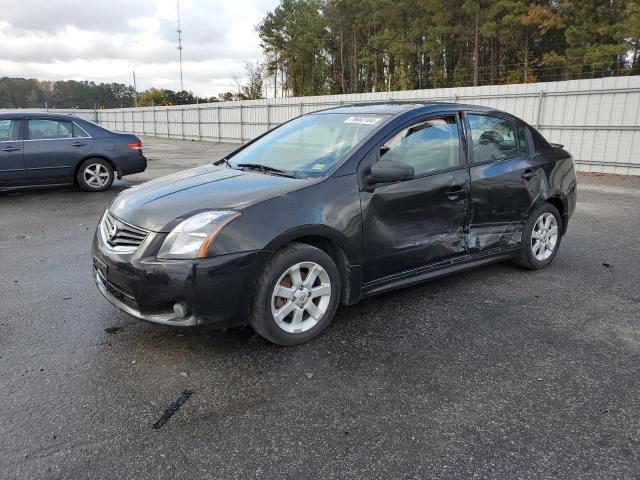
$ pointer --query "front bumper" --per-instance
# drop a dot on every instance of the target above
(215, 290)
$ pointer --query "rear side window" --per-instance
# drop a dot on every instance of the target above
(44, 129)
(428, 146)
(9, 130)
(492, 138)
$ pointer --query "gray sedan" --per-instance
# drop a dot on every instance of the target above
(47, 149)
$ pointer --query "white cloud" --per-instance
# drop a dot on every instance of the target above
(105, 41)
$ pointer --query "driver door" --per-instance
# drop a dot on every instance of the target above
(417, 222)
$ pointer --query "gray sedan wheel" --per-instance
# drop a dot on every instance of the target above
(95, 175)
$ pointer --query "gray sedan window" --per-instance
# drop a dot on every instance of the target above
(9, 130)
(46, 129)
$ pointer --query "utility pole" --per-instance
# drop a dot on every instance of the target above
(180, 45)
(135, 90)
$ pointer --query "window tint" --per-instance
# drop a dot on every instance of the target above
(523, 142)
(79, 132)
(427, 146)
(42, 129)
(9, 130)
(492, 138)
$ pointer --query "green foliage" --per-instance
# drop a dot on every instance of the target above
(343, 46)
(30, 93)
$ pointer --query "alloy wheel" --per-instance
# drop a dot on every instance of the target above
(301, 297)
(96, 175)
(544, 236)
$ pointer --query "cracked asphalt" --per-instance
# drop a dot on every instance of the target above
(493, 373)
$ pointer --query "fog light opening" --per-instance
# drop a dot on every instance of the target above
(181, 310)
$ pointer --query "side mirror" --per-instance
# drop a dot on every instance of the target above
(387, 171)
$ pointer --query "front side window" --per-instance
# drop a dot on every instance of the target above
(428, 146)
(492, 138)
(9, 130)
(44, 129)
(308, 146)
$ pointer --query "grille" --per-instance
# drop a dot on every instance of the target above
(120, 235)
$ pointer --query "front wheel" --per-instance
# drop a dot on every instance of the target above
(296, 296)
(540, 238)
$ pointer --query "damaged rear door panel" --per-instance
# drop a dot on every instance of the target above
(506, 181)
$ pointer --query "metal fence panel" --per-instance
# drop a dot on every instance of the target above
(597, 120)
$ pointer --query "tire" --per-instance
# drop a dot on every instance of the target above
(534, 255)
(95, 175)
(305, 309)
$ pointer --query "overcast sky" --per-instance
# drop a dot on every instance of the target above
(105, 40)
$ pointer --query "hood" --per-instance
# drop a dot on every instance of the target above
(152, 205)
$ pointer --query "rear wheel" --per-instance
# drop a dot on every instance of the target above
(540, 238)
(95, 175)
(296, 296)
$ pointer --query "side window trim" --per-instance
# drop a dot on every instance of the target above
(423, 118)
(467, 127)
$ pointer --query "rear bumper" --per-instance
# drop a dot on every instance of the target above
(135, 163)
(216, 290)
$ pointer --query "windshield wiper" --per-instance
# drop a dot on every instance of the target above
(222, 161)
(266, 169)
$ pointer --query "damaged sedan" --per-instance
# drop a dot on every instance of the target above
(330, 208)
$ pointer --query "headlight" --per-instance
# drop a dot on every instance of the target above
(192, 237)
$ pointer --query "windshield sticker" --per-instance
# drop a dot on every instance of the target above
(318, 166)
(362, 120)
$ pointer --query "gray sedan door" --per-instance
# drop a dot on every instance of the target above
(52, 150)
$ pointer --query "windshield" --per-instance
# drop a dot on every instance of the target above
(308, 146)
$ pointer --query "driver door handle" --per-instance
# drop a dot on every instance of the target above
(10, 149)
(528, 174)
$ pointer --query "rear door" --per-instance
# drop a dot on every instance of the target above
(504, 180)
(52, 149)
(420, 221)
(11, 151)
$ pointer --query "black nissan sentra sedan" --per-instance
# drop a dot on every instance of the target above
(330, 208)
(54, 149)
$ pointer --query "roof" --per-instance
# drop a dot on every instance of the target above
(18, 113)
(395, 108)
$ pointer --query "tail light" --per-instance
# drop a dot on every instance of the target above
(135, 145)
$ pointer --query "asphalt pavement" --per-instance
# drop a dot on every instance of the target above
(493, 373)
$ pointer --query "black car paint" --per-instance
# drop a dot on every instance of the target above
(56, 161)
(381, 236)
